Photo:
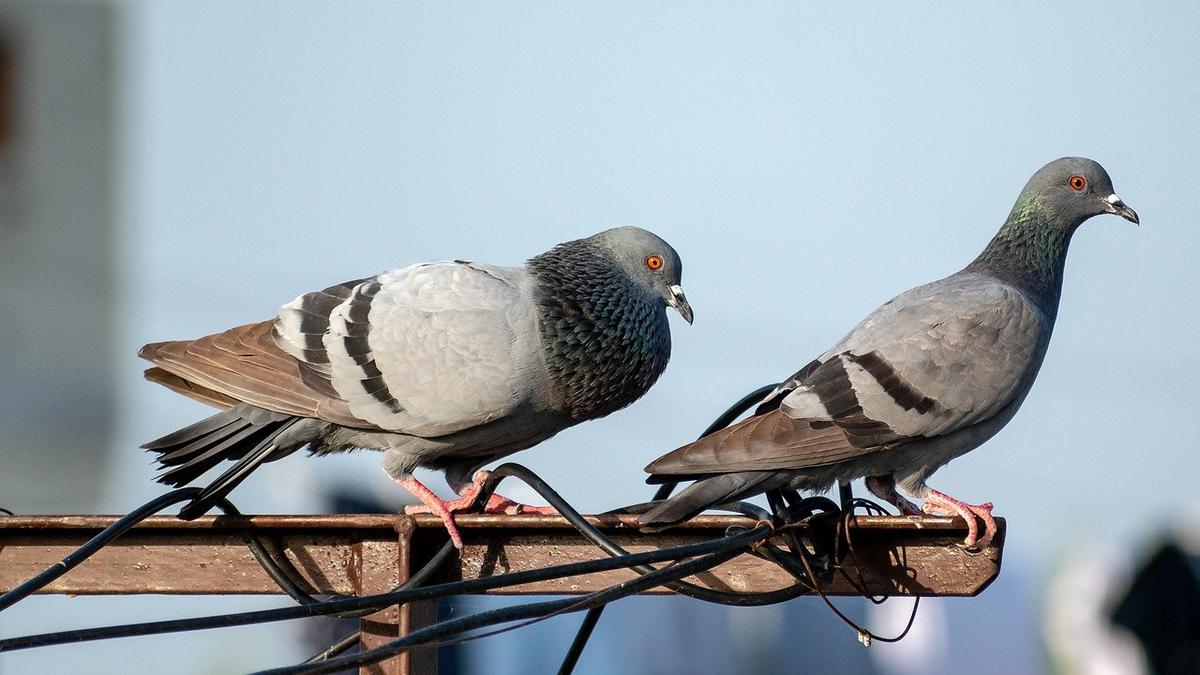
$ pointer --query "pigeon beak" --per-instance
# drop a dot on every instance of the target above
(679, 301)
(1113, 204)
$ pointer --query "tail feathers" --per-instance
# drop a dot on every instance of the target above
(705, 494)
(266, 450)
(194, 459)
(192, 432)
(245, 433)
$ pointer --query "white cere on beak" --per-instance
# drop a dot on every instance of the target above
(676, 290)
(1113, 199)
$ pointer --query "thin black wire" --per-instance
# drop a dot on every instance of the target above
(597, 537)
(799, 565)
(274, 569)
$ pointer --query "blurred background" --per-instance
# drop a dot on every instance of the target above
(169, 169)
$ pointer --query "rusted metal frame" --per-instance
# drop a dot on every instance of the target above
(893, 555)
(381, 567)
(366, 555)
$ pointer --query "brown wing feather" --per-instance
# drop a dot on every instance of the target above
(245, 364)
(770, 441)
(189, 389)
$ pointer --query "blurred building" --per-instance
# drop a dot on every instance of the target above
(57, 275)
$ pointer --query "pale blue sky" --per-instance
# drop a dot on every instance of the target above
(807, 163)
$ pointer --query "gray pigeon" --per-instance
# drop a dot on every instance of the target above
(443, 365)
(930, 375)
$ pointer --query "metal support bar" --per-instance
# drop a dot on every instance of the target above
(917, 555)
(383, 565)
(368, 554)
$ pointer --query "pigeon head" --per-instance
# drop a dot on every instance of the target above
(649, 262)
(1072, 189)
(603, 318)
(1030, 249)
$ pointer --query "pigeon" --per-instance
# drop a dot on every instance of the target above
(930, 375)
(442, 365)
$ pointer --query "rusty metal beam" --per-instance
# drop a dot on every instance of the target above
(894, 555)
(368, 554)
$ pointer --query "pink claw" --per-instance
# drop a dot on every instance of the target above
(431, 503)
(940, 503)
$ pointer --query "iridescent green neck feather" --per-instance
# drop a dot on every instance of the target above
(1029, 251)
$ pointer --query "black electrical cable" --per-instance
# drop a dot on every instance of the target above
(581, 639)
(274, 569)
(580, 523)
(108, 534)
(124, 524)
(571, 658)
(540, 610)
(610, 547)
(375, 603)
(799, 566)
(89, 548)
(794, 507)
(422, 575)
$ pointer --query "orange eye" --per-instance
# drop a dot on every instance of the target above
(1077, 183)
(654, 262)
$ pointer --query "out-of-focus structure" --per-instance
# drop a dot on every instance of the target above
(57, 277)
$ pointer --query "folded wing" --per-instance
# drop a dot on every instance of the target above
(932, 361)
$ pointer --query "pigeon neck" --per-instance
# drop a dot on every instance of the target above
(1029, 252)
(605, 339)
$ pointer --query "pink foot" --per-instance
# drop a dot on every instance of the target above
(496, 504)
(501, 504)
(431, 503)
(942, 504)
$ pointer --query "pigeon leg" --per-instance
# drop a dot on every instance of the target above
(884, 487)
(943, 504)
(431, 504)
